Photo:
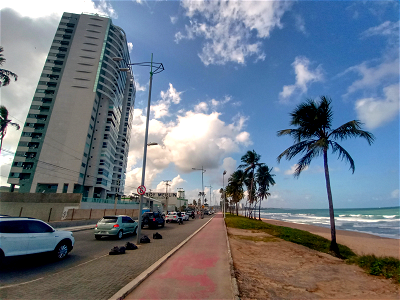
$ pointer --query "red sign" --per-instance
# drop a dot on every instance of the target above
(141, 190)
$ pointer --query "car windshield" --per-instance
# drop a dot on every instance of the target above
(109, 220)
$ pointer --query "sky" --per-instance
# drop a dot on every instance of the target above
(234, 71)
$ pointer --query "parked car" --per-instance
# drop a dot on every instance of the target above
(191, 214)
(115, 226)
(172, 217)
(185, 217)
(22, 236)
(153, 219)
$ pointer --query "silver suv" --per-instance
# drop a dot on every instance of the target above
(22, 236)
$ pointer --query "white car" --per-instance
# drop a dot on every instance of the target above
(172, 217)
(22, 236)
(185, 217)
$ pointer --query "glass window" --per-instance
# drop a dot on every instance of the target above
(13, 227)
(109, 220)
(38, 227)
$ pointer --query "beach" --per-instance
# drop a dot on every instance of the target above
(360, 243)
(267, 267)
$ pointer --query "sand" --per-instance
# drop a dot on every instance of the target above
(270, 268)
(360, 243)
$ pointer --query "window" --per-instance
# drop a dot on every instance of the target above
(83, 165)
(13, 227)
(38, 227)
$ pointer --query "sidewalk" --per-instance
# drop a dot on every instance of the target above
(198, 270)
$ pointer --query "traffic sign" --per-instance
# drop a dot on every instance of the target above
(141, 190)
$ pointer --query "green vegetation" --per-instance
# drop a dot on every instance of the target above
(385, 266)
(297, 236)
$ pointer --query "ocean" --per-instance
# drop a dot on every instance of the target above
(384, 222)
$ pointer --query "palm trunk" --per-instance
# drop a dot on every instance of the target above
(259, 209)
(251, 188)
(334, 247)
(1, 142)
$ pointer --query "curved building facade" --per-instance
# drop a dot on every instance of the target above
(77, 132)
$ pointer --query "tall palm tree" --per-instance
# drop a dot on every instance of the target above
(4, 122)
(234, 189)
(5, 74)
(250, 161)
(314, 136)
(264, 179)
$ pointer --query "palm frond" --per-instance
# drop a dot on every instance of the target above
(352, 129)
(305, 161)
(295, 149)
(343, 154)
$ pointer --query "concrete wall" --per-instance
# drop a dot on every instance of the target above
(46, 207)
(86, 214)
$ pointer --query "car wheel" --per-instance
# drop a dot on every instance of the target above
(97, 237)
(135, 231)
(61, 250)
(163, 224)
(167, 221)
(120, 234)
(2, 258)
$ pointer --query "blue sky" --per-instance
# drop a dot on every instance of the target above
(233, 73)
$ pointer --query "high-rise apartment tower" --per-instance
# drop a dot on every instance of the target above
(76, 135)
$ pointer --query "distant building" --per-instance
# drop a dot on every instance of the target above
(174, 199)
(76, 135)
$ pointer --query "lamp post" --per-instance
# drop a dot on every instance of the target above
(166, 193)
(202, 185)
(223, 191)
(158, 68)
(210, 194)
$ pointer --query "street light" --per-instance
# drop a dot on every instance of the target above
(158, 68)
(202, 185)
(180, 190)
(223, 191)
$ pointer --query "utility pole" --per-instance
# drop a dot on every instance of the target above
(166, 193)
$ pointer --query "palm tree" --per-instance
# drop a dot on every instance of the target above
(4, 122)
(264, 179)
(5, 74)
(314, 136)
(234, 189)
(250, 161)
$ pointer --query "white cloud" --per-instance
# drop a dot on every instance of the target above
(373, 76)
(175, 183)
(173, 19)
(130, 47)
(193, 139)
(387, 28)
(395, 194)
(216, 103)
(375, 112)
(161, 107)
(293, 169)
(304, 77)
(201, 107)
(229, 27)
(139, 87)
(54, 9)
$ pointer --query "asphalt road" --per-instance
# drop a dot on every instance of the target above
(39, 277)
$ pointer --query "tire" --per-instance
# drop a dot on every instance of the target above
(2, 258)
(135, 231)
(120, 234)
(163, 224)
(97, 237)
(61, 250)
(167, 221)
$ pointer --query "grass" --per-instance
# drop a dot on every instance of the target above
(297, 236)
(385, 266)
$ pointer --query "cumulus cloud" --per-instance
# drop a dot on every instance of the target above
(173, 19)
(229, 28)
(130, 47)
(216, 103)
(375, 112)
(201, 107)
(304, 77)
(194, 138)
(161, 107)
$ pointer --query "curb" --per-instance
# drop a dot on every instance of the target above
(126, 290)
(233, 278)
